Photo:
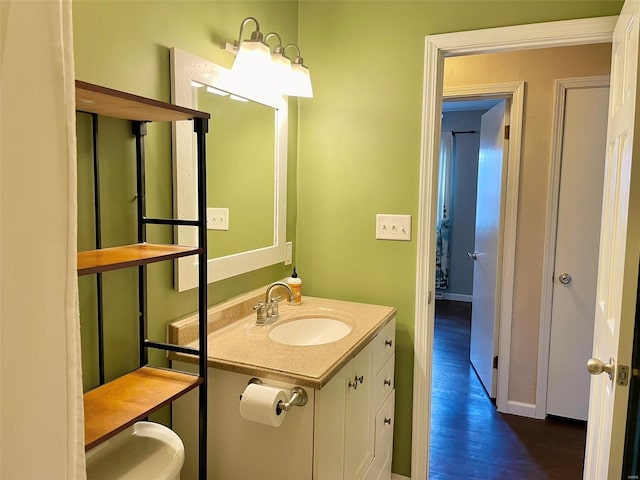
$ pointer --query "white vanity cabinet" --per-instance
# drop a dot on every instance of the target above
(353, 435)
(344, 432)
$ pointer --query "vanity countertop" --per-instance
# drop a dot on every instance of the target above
(237, 344)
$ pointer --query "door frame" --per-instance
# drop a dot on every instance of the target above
(437, 47)
(512, 92)
(557, 129)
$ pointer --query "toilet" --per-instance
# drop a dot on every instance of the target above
(144, 451)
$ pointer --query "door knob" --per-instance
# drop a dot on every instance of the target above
(564, 278)
(595, 366)
(472, 256)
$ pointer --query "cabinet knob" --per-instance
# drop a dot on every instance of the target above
(388, 343)
(387, 420)
(359, 379)
(353, 384)
(387, 382)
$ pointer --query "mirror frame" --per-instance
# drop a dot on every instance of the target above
(186, 68)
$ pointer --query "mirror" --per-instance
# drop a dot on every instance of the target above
(246, 170)
(240, 146)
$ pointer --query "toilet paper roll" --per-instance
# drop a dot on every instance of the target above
(259, 403)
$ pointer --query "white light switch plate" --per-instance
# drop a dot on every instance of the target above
(393, 227)
(217, 219)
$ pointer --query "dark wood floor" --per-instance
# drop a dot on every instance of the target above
(470, 439)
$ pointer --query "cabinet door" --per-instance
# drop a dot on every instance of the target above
(329, 429)
(359, 427)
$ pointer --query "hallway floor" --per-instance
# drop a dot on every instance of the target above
(470, 439)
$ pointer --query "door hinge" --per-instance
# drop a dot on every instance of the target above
(495, 361)
(507, 131)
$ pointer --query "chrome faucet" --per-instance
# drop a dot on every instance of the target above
(267, 313)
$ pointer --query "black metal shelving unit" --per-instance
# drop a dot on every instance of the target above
(147, 388)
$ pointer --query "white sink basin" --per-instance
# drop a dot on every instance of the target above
(310, 331)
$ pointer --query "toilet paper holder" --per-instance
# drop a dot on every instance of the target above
(298, 397)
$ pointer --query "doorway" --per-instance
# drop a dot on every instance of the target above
(573, 32)
(502, 227)
(470, 219)
(581, 144)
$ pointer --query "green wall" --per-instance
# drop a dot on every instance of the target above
(125, 45)
(359, 149)
(358, 140)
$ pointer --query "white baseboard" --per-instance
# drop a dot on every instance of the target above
(458, 297)
(521, 409)
(395, 476)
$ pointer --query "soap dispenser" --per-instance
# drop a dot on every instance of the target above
(296, 285)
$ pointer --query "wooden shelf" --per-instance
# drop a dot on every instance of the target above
(114, 103)
(111, 408)
(105, 259)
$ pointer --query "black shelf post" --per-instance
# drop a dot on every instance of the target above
(139, 129)
(98, 244)
(201, 127)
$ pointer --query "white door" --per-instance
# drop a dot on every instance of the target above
(577, 238)
(486, 277)
(619, 255)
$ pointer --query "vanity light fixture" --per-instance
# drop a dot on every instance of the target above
(255, 65)
(299, 84)
(280, 63)
(253, 59)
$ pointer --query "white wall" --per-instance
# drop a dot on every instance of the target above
(41, 428)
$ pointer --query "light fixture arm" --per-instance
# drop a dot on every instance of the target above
(278, 49)
(256, 35)
(298, 58)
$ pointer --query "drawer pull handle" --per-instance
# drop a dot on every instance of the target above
(387, 382)
(355, 381)
(387, 420)
(388, 343)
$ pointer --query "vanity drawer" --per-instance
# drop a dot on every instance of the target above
(384, 428)
(384, 345)
(383, 383)
(380, 468)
